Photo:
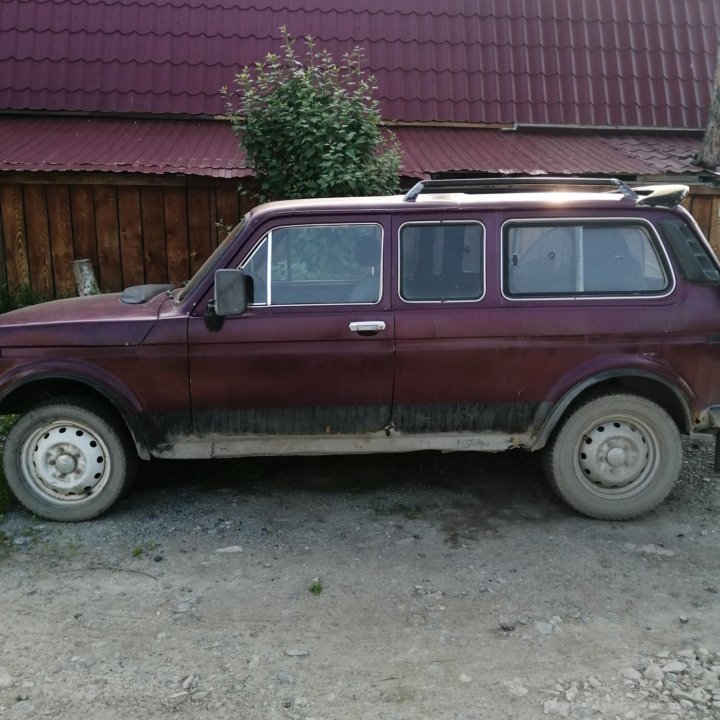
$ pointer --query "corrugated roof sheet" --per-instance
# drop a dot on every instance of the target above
(427, 151)
(645, 63)
(206, 148)
(209, 148)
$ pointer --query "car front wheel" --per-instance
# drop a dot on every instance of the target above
(68, 459)
(615, 457)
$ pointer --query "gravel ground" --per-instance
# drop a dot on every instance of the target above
(418, 586)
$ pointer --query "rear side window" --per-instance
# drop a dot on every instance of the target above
(441, 261)
(694, 260)
(571, 258)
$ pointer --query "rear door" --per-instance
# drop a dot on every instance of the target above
(313, 354)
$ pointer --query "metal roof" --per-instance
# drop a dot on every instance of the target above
(209, 148)
(644, 63)
(199, 147)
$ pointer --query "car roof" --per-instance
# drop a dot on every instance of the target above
(494, 196)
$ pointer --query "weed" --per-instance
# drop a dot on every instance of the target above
(21, 297)
(316, 586)
(137, 551)
(412, 511)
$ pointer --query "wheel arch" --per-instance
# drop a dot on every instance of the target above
(26, 392)
(648, 385)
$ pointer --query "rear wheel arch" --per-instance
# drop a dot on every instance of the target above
(632, 382)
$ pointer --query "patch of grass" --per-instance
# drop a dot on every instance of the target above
(316, 586)
(411, 511)
(6, 422)
(137, 551)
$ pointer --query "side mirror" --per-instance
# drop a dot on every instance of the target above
(230, 292)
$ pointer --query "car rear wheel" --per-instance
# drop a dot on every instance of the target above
(615, 457)
(68, 459)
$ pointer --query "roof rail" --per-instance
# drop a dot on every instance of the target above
(464, 184)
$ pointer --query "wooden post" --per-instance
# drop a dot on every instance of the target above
(709, 155)
(85, 278)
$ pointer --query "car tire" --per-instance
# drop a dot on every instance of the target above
(69, 459)
(615, 457)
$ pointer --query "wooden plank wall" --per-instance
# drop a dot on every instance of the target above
(704, 205)
(158, 232)
(131, 233)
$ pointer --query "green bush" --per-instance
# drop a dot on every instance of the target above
(310, 126)
(22, 297)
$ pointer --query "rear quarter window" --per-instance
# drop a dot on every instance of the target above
(581, 258)
(696, 263)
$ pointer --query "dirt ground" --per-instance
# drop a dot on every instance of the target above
(375, 588)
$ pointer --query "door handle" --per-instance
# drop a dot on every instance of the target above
(367, 327)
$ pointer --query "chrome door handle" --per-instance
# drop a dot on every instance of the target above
(367, 327)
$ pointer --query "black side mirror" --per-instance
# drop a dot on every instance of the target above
(230, 292)
(231, 297)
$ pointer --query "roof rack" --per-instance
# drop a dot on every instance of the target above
(465, 184)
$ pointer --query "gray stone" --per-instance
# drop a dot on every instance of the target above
(200, 695)
(556, 707)
(22, 540)
(285, 678)
(674, 666)
(24, 707)
(5, 680)
(296, 652)
(653, 672)
(229, 550)
(631, 674)
(544, 628)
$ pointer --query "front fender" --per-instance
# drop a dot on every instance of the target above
(22, 376)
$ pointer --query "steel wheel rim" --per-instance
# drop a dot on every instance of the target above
(617, 456)
(65, 462)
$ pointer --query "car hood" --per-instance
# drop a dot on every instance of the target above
(96, 320)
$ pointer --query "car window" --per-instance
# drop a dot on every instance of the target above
(317, 265)
(441, 261)
(570, 258)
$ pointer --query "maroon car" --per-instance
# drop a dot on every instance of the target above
(465, 315)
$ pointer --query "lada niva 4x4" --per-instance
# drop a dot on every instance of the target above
(466, 315)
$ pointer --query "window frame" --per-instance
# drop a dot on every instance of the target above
(653, 236)
(483, 268)
(267, 235)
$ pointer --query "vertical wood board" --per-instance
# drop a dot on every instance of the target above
(130, 226)
(108, 240)
(83, 222)
(61, 239)
(200, 228)
(38, 240)
(154, 245)
(176, 232)
(14, 238)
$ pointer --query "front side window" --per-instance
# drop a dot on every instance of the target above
(441, 261)
(317, 265)
(571, 258)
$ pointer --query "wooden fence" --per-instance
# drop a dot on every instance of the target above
(134, 233)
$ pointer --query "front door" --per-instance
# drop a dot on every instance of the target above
(313, 354)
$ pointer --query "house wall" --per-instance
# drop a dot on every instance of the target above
(143, 229)
(134, 231)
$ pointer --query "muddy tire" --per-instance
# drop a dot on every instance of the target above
(69, 459)
(615, 457)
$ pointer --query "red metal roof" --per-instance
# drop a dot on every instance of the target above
(427, 151)
(209, 148)
(191, 147)
(645, 63)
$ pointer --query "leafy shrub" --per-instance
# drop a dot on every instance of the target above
(310, 126)
(22, 297)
